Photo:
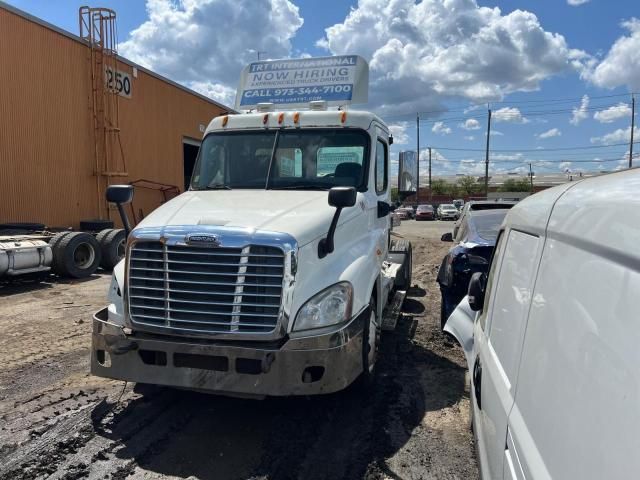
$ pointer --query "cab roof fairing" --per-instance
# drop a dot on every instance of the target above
(306, 119)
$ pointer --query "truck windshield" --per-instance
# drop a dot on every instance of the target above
(300, 159)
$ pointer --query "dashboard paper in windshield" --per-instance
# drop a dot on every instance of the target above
(339, 80)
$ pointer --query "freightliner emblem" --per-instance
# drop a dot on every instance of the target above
(203, 239)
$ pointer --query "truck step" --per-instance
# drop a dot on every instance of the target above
(392, 311)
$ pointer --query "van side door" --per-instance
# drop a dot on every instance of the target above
(498, 346)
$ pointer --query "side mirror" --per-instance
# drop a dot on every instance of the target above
(342, 197)
(121, 195)
(476, 291)
(447, 237)
(339, 197)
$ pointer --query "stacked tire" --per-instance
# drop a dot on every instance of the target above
(112, 245)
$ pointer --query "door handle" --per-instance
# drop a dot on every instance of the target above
(477, 381)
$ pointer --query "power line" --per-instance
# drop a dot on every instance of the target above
(540, 102)
(589, 147)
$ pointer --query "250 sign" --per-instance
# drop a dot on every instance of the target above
(120, 81)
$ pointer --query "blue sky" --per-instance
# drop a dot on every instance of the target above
(533, 62)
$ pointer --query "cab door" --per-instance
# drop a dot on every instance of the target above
(380, 183)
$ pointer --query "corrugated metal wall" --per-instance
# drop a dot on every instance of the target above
(47, 160)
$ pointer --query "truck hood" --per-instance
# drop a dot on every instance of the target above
(305, 215)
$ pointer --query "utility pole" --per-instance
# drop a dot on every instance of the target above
(531, 177)
(418, 159)
(486, 160)
(633, 125)
(430, 191)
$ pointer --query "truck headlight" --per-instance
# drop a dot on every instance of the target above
(329, 307)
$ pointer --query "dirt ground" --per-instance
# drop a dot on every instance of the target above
(57, 421)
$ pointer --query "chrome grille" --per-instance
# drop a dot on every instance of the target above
(185, 289)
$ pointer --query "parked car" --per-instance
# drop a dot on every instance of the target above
(425, 212)
(403, 213)
(447, 211)
(459, 204)
(480, 205)
(472, 252)
(551, 337)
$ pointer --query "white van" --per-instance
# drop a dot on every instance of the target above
(552, 337)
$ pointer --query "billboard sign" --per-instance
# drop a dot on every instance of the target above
(339, 80)
(407, 172)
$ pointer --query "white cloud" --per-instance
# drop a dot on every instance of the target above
(507, 157)
(611, 114)
(439, 128)
(470, 124)
(580, 113)
(554, 132)
(508, 115)
(181, 40)
(495, 133)
(620, 135)
(399, 132)
(470, 138)
(423, 53)
(575, 3)
(621, 65)
(221, 93)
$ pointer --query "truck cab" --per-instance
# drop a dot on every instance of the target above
(270, 275)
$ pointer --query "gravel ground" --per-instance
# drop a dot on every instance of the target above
(57, 421)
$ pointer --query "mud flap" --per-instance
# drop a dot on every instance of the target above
(460, 326)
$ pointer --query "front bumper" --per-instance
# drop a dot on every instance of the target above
(306, 364)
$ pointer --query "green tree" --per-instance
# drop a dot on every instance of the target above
(394, 194)
(453, 189)
(516, 185)
(438, 186)
(468, 185)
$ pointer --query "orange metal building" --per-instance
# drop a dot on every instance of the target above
(55, 157)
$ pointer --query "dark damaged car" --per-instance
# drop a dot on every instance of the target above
(472, 252)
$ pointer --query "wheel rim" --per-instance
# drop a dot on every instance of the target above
(83, 256)
(373, 342)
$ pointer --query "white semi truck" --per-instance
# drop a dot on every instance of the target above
(274, 273)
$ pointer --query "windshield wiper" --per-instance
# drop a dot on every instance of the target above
(218, 186)
(300, 187)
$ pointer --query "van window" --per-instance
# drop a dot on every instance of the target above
(493, 271)
(512, 299)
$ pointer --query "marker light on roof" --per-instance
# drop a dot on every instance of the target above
(225, 120)
(343, 117)
(265, 119)
(281, 118)
(296, 117)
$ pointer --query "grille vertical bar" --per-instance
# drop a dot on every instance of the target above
(182, 289)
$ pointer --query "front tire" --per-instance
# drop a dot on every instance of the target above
(370, 347)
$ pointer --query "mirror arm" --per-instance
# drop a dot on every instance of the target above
(125, 220)
(325, 246)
